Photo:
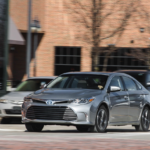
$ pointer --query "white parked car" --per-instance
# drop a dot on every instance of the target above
(10, 104)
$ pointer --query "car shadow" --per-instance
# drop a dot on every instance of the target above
(121, 130)
(107, 131)
(58, 131)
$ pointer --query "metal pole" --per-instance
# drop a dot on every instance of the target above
(5, 60)
(35, 48)
(28, 57)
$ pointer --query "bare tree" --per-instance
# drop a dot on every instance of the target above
(142, 54)
(101, 20)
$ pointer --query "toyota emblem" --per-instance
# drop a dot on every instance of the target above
(49, 102)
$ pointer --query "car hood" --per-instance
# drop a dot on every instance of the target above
(65, 94)
(17, 96)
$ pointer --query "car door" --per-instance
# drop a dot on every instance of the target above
(119, 102)
(135, 97)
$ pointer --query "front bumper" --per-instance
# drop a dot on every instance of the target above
(82, 112)
(56, 122)
(10, 110)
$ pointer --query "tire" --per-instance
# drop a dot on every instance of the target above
(34, 127)
(82, 128)
(101, 120)
(144, 121)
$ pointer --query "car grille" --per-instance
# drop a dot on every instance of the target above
(51, 113)
(37, 101)
(11, 111)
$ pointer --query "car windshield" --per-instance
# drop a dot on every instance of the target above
(32, 84)
(76, 81)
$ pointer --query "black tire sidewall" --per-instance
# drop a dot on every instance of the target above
(31, 127)
(143, 128)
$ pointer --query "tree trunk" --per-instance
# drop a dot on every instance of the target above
(105, 62)
(96, 61)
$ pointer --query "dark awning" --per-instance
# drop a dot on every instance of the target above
(14, 36)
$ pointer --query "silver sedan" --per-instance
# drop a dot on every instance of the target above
(10, 104)
(90, 101)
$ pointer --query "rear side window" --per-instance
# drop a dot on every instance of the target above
(148, 78)
(130, 84)
(138, 76)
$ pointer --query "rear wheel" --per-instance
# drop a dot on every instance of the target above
(144, 121)
(34, 127)
(82, 128)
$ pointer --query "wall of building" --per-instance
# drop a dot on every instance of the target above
(62, 29)
(19, 12)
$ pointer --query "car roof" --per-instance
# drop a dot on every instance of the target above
(94, 73)
(42, 77)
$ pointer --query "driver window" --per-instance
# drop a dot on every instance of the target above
(116, 81)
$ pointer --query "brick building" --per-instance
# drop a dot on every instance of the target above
(60, 46)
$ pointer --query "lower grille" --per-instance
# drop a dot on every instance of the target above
(37, 101)
(11, 111)
(51, 113)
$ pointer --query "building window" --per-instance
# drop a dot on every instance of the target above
(122, 59)
(67, 59)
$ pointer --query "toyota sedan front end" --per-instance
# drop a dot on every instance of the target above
(67, 100)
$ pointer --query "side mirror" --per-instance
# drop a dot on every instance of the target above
(43, 86)
(114, 89)
(148, 84)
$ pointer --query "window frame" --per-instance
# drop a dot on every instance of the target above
(138, 86)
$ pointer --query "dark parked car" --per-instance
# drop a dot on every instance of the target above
(90, 101)
(143, 76)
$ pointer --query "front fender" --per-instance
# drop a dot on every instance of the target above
(99, 100)
(146, 104)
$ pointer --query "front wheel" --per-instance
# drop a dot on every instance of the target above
(34, 127)
(144, 121)
(101, 120)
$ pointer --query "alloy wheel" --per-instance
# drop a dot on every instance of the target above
(102, 119)
(145, 119)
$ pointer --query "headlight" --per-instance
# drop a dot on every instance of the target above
(3, 101)
(28, 100)
(17, 102)
(11, 101)
(83, 100)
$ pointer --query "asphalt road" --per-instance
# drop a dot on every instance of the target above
(62, 137)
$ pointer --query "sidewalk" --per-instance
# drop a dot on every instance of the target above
(77, 144)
